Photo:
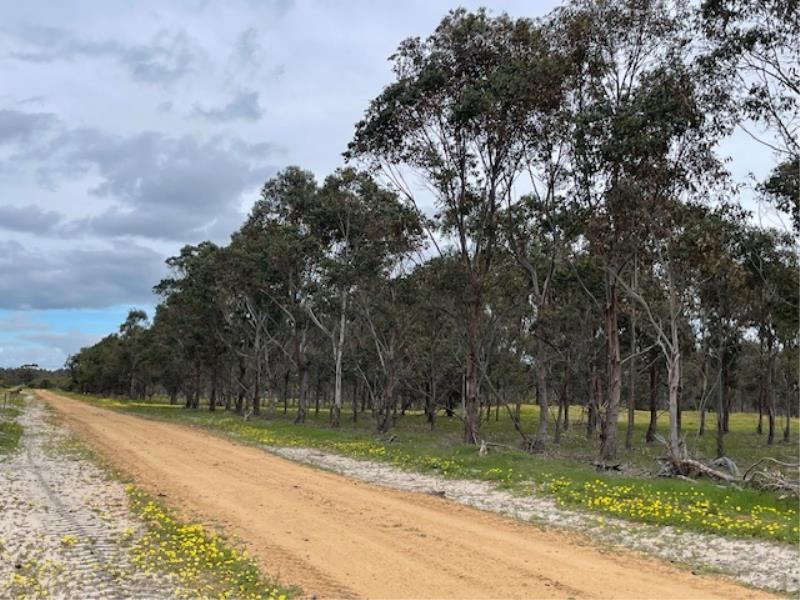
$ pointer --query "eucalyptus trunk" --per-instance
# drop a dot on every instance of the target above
(787, 426)
(608, 448)
(301, 364)
(302, 395)
(472, 423)
(726, 396)
(762, 389)
(770, 395)
(651, 428)
(632, 368)
(703, 392)
(721, 403)
(595, 399)
(674, 379)
(255, 398)
(336, 414)
(565, 399)
(212, 398)
(540, 440)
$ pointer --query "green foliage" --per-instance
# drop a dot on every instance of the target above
(32, 376)
(782, 188)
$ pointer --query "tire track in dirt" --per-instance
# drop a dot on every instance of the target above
(337, 537)
(62, 520)
(88, 558)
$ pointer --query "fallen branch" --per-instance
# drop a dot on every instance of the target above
(774, 480)
(606, 467)
(506, 446)
(727, 464)
(772, 460)
(695, 467)
(676, 463)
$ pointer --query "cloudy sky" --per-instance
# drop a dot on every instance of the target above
(128, 129)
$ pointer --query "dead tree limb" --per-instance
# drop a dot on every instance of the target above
(676, 463)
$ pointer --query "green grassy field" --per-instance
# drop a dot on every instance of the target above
(10, 430)
(563, 472)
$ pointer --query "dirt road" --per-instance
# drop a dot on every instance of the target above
(341, 538)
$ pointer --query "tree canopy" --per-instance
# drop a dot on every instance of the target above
(584, 237)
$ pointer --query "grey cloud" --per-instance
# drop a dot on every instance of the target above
(258, 150)
(32, 100)
(248, 48)
(244, 106)
(17, 126)
(282, 7)
(279, 8)
(157, 187)
(77, 278)
(31, 219)
(248, 58)
(278, 71)
(168, 57)
(169, 189)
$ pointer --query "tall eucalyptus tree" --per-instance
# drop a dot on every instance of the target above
(458, 117)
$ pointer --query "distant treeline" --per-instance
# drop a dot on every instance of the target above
(34, 377)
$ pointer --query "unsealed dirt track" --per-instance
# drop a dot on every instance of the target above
(336, 537)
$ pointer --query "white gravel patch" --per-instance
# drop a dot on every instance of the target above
(64, 523)
(758, 563)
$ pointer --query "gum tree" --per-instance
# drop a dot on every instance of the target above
(640, 136)
(457, 117)
(280, 230)
(362, 229)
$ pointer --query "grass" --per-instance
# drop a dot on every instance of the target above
(200, 559)
(563, 473)
(10, 430)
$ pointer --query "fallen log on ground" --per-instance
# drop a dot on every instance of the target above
(677, 463)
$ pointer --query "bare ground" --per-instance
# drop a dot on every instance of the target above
(64, 522)
(754, 562)
(337, 537)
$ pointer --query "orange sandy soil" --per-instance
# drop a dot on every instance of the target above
(336, 537)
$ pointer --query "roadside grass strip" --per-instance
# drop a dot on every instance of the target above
(203, 563)
(10, 429)
(10, 433)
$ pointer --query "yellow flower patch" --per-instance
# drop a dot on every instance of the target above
(205, 566)
(689, 509)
